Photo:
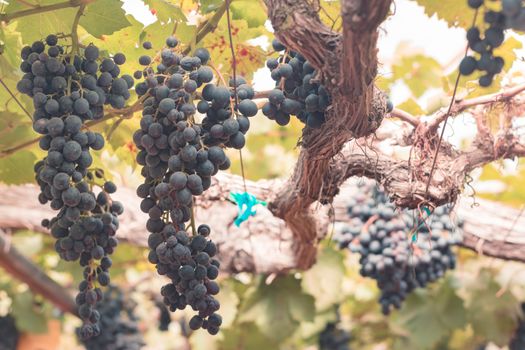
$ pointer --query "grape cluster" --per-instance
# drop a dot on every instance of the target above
(69, 90)
(514, 12)
(518, 340)
(188, 262)
(483, 41)
(397, 250)
(164, 316)
(333, 337)
(179, 155)
(297, 90)
(9, 334)
(118, 324)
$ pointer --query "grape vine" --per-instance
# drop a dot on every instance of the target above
(69, 89)
(397, 249)
(179, 153)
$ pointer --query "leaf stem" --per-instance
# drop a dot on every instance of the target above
(74, 32)
(207, 27)
(6, 17)
(16, 99)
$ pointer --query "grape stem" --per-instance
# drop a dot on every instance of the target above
(236, 98)
(503, 95)
(193, 229)
(126, 113)
(113, 128)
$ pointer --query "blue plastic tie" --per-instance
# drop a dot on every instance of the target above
(421, 224)
(246, 203)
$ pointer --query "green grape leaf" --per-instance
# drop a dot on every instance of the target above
(249, 58)
(166, 11)
(38, 26)
(10, 105)
(104, 17)
(204, 341)
(126, 41)
(28, 317)
(14, 129)
(121, 133)
(247, 336)
(418, 72)
(229, 301)
(249, 10)
(331, 14)
(157, 33)
(514, 193)
(10, 42)
(311, 330)
(186, 33)
(430, 314)
(455, 13)
(324, 280)
(17, 168)
(411, 106)
(73, 270)
(492, 317)
(28, 242)
(279, 308)
(208, 6)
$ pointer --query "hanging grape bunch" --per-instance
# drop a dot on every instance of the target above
(68, 90)
(397, 250)
(483, 41)
(518, 340)
(181, 143)
(9, 334)
(334, 337)
(119, 329)
(297, 92)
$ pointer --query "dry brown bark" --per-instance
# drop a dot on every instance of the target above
(265, 244)
(347, 64)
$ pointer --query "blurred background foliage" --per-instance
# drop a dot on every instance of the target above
(475, 304)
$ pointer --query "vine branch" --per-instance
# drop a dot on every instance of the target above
(38, 281)
(405, 116)
(489, 222)
(462, 105)
(124, 113)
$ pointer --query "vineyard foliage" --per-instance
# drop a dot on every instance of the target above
(477, 303)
